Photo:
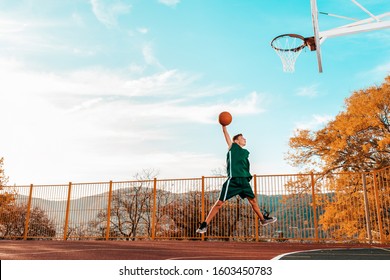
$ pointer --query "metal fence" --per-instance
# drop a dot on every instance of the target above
(341, 207)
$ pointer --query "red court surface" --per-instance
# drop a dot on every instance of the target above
(185, 250)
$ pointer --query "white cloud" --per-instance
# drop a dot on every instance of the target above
(378, 73)
(250, 104)
(179, 112)
(308, 91)
(150, 58)
(12, 26)
(375, 75)
(107, 12)
(92, 123)
(86, 104)
(17, 34)
(171, 3)
(21, 36)
(143, 30)
(170, 94)
(316, 122)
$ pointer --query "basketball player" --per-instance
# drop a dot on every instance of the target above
(237, 182)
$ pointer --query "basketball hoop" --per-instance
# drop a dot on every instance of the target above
(288, 47)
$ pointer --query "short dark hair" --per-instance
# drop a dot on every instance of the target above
(235, 137)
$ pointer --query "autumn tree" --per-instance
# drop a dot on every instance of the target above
(344, 216)
(356, 140)
(13, 215)
(40, 226)
(7, 199)
(180, 216)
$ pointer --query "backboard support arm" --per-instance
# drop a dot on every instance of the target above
(357, 27)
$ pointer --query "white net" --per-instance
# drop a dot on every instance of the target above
(288, 49)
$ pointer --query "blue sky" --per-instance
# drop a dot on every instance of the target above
(97, 90)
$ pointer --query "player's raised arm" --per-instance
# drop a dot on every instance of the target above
(227, 136)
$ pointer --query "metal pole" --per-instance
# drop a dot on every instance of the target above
(256, 220)
(365, 10)
(154, 209)
(28, 213)
(109, 212)
(314, 205)
(378, 210)
(202, 206)
(67, 212)
(366, 208)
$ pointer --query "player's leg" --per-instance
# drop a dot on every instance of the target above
(255, 207)
(225, 194)
(264, 220)
(213, 211)
(248, 193)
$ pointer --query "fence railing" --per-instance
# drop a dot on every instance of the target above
(309, 207)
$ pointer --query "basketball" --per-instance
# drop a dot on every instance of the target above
(225, 118)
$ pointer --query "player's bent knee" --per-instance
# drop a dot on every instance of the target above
(252, 200)
(219, 203)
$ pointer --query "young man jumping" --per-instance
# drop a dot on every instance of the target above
(237, 182)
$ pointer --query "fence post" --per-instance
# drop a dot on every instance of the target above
(109, 212)
(314, 204)
(256, 220)
(26, 223)
(366, 208)
(378, 210)
(203, 206)
(67, 212)
(154, 208)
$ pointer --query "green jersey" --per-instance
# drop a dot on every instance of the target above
(237, 162)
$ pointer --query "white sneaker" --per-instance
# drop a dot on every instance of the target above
(268, 221)
(203, 228)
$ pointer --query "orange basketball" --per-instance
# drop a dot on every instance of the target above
(225, 118)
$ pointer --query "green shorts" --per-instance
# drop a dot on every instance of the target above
(236, 186)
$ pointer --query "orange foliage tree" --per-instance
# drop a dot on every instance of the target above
(13, 215)
(356, 140)
(6, 199)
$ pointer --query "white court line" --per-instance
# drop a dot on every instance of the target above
(296, 252)
(384, 249)
(326, 249)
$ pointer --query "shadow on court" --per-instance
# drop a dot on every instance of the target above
(187, 250)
